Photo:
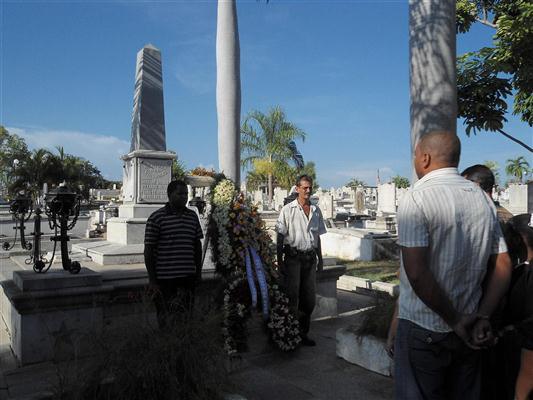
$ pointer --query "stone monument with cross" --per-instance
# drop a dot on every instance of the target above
(147, 168)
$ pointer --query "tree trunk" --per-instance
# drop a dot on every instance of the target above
(433, 82)
(228, 90)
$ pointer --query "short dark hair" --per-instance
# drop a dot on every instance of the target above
(480, 174)
(521, 223)
(515, 244)
(174, 185)
(304, 178)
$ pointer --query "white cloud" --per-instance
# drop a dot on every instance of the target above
(104, 151)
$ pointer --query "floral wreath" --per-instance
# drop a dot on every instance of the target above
(242, 251)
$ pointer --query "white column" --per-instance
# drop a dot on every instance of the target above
(432, 67)
(228, 90)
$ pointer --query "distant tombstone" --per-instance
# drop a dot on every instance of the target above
(530, 197)
(387, 198)
(518, 198)
(400, 192)
(279, 197)
(325, 203)
(359, 200)
(258, 199)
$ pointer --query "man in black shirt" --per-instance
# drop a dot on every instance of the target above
(173, 253)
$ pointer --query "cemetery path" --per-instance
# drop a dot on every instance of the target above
(311, 373)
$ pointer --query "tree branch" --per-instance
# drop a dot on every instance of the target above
(516, 140)
(486, 22)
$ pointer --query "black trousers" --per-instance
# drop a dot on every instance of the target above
(299, 280)
(175, 297)
(434, 366)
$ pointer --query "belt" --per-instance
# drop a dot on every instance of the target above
(294, 252)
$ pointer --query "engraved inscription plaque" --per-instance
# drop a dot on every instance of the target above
(154, 176)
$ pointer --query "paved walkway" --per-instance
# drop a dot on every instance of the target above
(311, 373)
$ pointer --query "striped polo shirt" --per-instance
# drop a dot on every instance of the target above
(174, 237)
(457, 221)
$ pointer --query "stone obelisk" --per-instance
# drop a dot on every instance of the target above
(147, 167)
(228, 90)
(432, 69)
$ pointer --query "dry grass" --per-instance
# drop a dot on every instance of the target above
(383, 271)
(141, 362)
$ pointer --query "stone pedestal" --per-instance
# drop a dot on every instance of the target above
(145, 179)
(326, 289)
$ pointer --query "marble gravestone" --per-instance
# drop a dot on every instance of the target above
(387, 198)
(147, 167)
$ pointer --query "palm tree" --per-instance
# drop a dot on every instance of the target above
(401, 181)
(355, 182)
(33, 171)
(268, 143)
(518, 168)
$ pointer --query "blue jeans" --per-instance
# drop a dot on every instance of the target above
(433, 365)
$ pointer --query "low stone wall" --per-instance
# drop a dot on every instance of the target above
(366, 351)
(367, 286)
(358, 244)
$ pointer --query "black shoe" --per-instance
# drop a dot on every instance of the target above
(308, 342)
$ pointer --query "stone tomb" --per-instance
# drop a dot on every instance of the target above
(53, 316)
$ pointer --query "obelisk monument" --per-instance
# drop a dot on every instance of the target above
(147, 167)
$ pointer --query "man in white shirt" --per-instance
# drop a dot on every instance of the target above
(299, 253)
(452, 248)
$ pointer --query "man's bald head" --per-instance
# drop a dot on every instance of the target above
(437, 149)
(444, 147)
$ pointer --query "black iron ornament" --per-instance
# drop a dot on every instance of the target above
(61, 204)
(38, 261)
(21, 210)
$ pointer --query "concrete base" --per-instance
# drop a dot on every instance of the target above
(28, 281)
(326, 291)
(365, 351)
(366, 286)
(53, 316)
(126, 231)
(107, 253)
(137, 210)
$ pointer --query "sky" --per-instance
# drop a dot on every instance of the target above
(339, 69)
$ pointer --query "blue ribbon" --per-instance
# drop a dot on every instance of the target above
(250, 277)
(263, 287)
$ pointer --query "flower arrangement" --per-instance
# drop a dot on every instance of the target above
(201, 171)
(243, 254)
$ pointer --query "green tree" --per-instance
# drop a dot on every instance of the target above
(355, 182)
(179, 170)
(495, 168)
(33, 171)
(517, 168)
(487, 77)
(12, 147)
(268, 144)
(401, 182)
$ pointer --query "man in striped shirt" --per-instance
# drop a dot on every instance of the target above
(452, 247)
(173, 253)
